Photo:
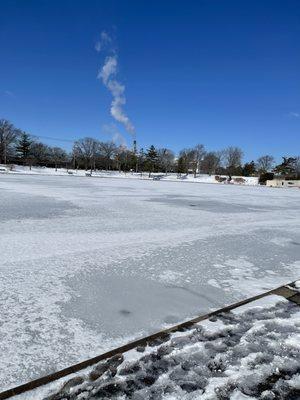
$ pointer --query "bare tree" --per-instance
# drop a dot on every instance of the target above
(199, 153)
(86, 149)
(296, 167)
(194, 157)
(192, 161)
(8, 135)
(211, 161)
(297, 163)
(39, 153)
(233, 159)
(186, 160)
(265, 163)
(107, 150)
(57, 156)
(165, 159)
(121, 157)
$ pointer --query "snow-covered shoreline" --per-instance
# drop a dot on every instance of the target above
(173, 177)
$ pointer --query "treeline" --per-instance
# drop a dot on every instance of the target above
(19, 147)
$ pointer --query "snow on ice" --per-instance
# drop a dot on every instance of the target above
(88, 264)
(250, 353)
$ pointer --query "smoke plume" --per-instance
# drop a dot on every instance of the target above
(108, 76)
(117, 137)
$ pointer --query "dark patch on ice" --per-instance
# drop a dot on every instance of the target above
(102, 298)
(20, 206)
(214, 206)
(125, 312)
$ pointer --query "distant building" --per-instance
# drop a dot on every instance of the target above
(283, 183)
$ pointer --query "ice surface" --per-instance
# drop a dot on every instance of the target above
(88, 264)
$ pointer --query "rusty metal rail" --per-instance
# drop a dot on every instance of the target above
(284, 290)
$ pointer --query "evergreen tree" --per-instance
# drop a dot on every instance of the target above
(152, 158)
(286, 167)
(132, 161)
(23, 146)
(141, 160)
(249, 169)
(264, 177)
(181, 166)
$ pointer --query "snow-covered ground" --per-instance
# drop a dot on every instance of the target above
(200, 178)
(250, 353)
(88, 264)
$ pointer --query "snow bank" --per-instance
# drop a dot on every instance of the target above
(201, 178)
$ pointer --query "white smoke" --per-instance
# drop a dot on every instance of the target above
(105, 40)
(108, 70)
(116, 136)
(108, 75)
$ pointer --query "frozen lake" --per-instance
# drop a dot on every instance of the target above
(88, 263)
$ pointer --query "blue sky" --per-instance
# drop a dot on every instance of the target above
(214, 72)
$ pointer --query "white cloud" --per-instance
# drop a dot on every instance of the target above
(294, 114)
